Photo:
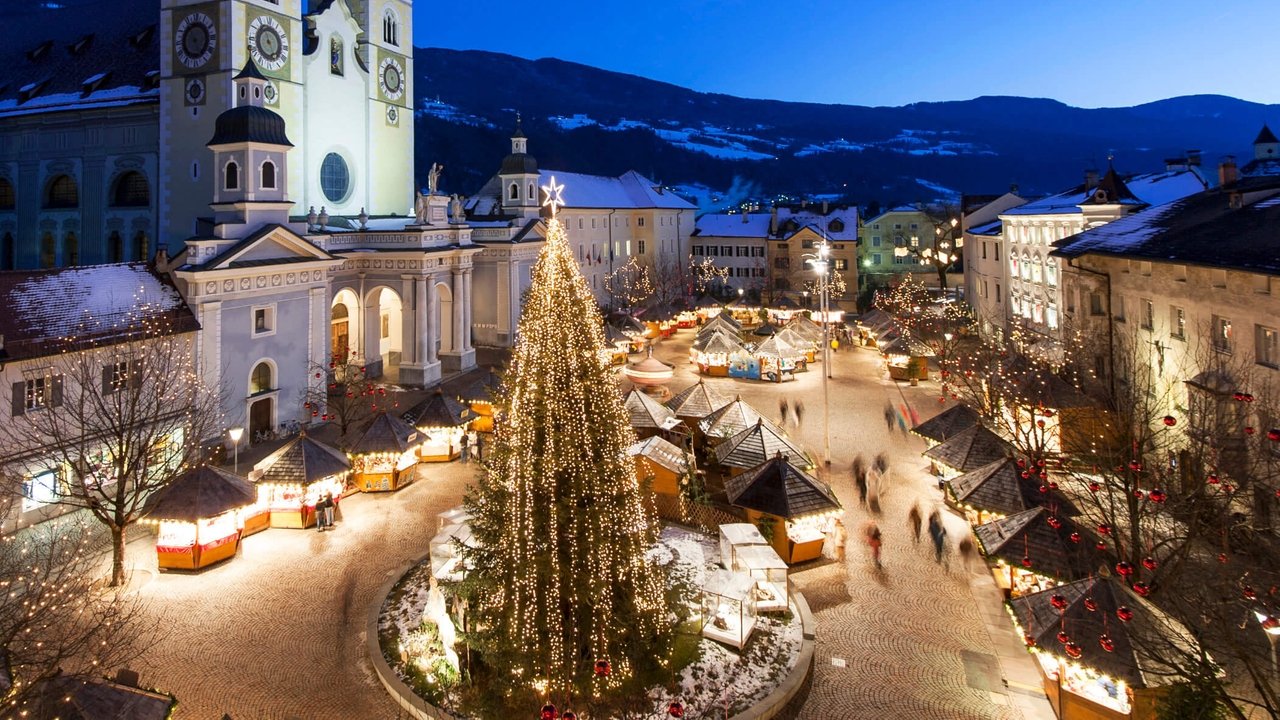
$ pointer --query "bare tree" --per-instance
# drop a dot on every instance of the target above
(347, 397)
(630, 283)
(940, 248)
(56, 618)
(117, 422)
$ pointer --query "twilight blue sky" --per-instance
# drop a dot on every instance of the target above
(892, 52)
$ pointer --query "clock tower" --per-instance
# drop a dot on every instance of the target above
(204, 43)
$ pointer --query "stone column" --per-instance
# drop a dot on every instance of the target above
(429, 325)
(371, 348)
(513, 301)
(459, 307)
(466, 295)
(423, 349)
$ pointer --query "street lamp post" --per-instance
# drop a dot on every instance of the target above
(820, 266)
(236, 433)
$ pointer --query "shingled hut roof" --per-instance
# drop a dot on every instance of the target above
(645, 412)
(779, 488)
(696, 401)
(756, 444)
(202, 492)
(732, 419)
(302, 461)
(486, 388)
(970, 449)
(717, 343)
(384, 433)
(947, 424)
(1029, 535)
(439, 411)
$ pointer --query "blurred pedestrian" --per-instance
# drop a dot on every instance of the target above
(902, 419)
(799, 409)
(860, 479)
(915, 416)
(874, 541)
(888, 417)
(939, 535)
(465, 450)
(913, 517)
(967, 551)
(835, 345)
(842, 537)
(783, 411)
(479, 443)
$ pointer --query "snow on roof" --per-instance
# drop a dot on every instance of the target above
(840, 223)
(629, 190)
(44, 307)
(1151, 188)
(750, 225)
(991, 228)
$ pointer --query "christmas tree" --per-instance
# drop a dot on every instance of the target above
(560, 589)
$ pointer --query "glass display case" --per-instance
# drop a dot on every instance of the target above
(763, 564)
(729, 608)
(734, 534)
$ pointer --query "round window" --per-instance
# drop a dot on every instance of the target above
(335, 179)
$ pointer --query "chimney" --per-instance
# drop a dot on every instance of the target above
(745, 213)
(1090, 180)
(1227, 174)
(160, 262)
(824, 207)
(773, 221)
(1193, 158)
(804, 204)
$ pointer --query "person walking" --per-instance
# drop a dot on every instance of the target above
(799, 409)
(835, 345)
(902, 420)
(874, 541)
(464, 452)
(479, 443)
(329, 506)
(967, 551)
(939, 535)
(320, 516)
(914, 519)
(842, 537)
(860, 479)
(888, 417)
(783, 412)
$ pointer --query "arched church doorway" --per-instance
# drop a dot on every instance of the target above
(344, 324)
(262, 409)
(443, 320)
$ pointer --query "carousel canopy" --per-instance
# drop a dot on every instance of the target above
(439, 411)
(970, 449)
(486, 389)
(1029, 535)
(384, 433)
(301, 462)
(906, 346)
(766, 329)
(645, 412)
(649, 371)
(757, 444)
(661, 452)
(1041, 620)
(780, 489)
(732, 419)
(199, 493)
(776, 347)
(947, 423)
(696, 401)
(706, 302)
(718, 343)
(614, 336)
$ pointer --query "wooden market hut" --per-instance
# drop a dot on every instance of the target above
(720, 355)
(799, 342)
(779, 360)
(730, 420)
(1028, 554)
(906, 359)
(783, 309)
(723, 323)
(795, 504)
(384, 453)
(200, 516)
(695, 403)
(968, 450)
(992, 491)
(660, 319)
(648, 416)
(442, 422)
(834, 314)
(617, 345)
(707, 307)
(744, 310)
(947, 424)
(1073, 422)
(766, 329)
(1096, 674)
(480, 396)
(664, 462)
(756, 444)
(807, 328)
(295, 477)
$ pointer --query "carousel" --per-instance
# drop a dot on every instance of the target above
(293, 479)
(442, 421)
(480, 396)
(651, 374)
(797, 506)
(199, 517)
(384, 453)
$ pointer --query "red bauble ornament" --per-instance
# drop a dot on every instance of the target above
(1063, 637)
(675, 709)
(1026, 561)
(1138, 494)
(1248, 430)
(1030, 641)
(1095, 486)
(317, 375)
(1040, 463)
(314, 413)
(1170, 420)
(1022, 463)
(1104, 528)
(548, 712)
(1054, 522)
(942, 399)
(1124, 613)
(333, 386)
(1273, 435)
(602, 668)
(1269, 623)
(1075, 537)
(1102, 547)
(1213, 479)
(1058, 602)
(1053, 486)
(351, 394)
(1073, 650)
(1091, 604)
(1248, 397)
(1026, 475)
(1222, 557)
(1135, 466)
(1157, 495)
(1141, 588)
(362, 368)
(1149, 563)
(1238, 396)
(1107, 643)
(1039, 423)
(1044, 489)
(1124, 569)
(569, 715)
(1249, 592)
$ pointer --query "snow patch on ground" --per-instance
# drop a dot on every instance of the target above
(708, 139)
(944, 193)
(451, 113)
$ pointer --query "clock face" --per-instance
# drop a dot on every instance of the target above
(195, 40)
(268, 43)
(195, 91)
(391, 78)
(269, 93)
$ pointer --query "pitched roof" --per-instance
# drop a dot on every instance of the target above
(1028, 535)
(840, 223)
(718, 342)
(765, 329)
(794, 338)
(302, 461)
(631, 190)
(486, 388)
(645, 412)
(383, 433)
(721, 322)
(970, 449)
(71, 698)
(101, 304)
(776, 347)
(780, 489)
(996, 487)
(732, 419)
(1265, 136)
(947, 423)
(756, 444)
(662, 452)
(1112, 189)
(439, 411)
(201, 492)
(1153, 189)
(696, 401)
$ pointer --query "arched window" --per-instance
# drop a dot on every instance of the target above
(260, 380)
(6, 252)
(335, 55)
(115, 247)
(232, 176)
(340, 312)
(390, 28)
(62, 193)
(269, 175)
(70, 250)
(143, 245)
(533, 192)
(515, 191)
(131, 191)
(47, 250)
(8, 198)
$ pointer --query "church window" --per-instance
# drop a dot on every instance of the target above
(8, 198)
(335, 179)
(131, 191)
(269, 175)
(47, 250)
(70, 250)
(115, 247)
(533, 192)
(260, 380)
(390, 28)
(143, 245)
(62, 193)
(335, 55)
(264, 320)
(515, 191)
(232, 174)
(244, 92)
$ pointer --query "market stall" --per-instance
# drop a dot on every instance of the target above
(769, 570)
(779, 360)
(291, 480)
(199, 517)
(633, 329)
(906, 359)
(967, 450)
(1028, 554)
(441, 422)
(707, 307)
(992, 491)
(734, 536)
(797, 506)
(687, 319)
(717, 352)
(648, 416)
(744, 310)
(728, 608)
(754, 445)
(384, 453)
(834, 314)
(662, 461)
(729, 421)
(806, 328)
(696, 402)
(783, 309)
(800, 342)
(660, 320)
(946, 424)
(480, 396)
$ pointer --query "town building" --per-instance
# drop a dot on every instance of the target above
(979, 224)
(885, 243)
